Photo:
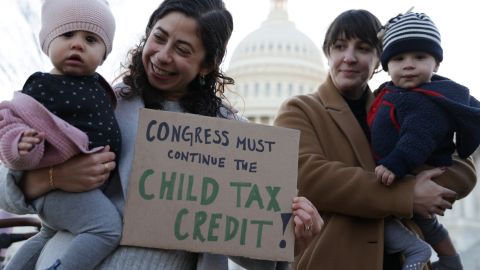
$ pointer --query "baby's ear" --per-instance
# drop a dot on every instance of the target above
(437, 66)
(103, 60)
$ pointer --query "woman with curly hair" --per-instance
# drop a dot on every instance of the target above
(186, 68)
(175, 67)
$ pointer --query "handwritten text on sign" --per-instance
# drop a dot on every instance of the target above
(212, 185)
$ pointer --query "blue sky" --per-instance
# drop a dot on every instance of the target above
(456, 20)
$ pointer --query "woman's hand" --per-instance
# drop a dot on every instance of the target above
(429, 198)
(84, 172)
(307, 222)
(78, 174)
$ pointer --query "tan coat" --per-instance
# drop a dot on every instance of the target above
(336, 174)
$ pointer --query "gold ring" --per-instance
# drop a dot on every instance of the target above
(106, 167)
(307, 228)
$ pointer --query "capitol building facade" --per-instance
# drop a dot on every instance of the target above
(271, 64)
(278, 61)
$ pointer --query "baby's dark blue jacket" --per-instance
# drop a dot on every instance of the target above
(411, 127)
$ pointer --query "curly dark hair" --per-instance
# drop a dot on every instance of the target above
(215, 26)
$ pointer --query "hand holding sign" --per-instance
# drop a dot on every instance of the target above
(308, 223)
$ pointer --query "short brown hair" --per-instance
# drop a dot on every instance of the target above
(354, 23)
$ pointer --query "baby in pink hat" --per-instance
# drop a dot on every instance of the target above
(62, 113)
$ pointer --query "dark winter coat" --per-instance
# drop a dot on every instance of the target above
(411, 127)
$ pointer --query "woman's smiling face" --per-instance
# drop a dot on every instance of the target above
(352, 63)
(173, 55)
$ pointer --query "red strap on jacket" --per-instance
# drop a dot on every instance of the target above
(375, 105)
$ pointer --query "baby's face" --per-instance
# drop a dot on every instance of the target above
(76, 53)
(410, 69)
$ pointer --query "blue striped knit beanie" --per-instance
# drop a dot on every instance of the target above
(410, 32)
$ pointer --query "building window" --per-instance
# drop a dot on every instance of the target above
(267, 89)
(300, 89)
(245, 90)
(290, 89)
(279, 89)
(264, 120)
(256, 90)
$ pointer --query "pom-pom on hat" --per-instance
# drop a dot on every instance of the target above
(62, 16)
(410, 32)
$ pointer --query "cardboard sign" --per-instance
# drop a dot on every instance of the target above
(206, 184)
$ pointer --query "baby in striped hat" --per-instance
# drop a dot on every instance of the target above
(412, 122)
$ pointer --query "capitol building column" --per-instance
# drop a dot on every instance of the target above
(463, 224)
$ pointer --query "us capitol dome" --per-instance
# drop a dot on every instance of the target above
(271, 64)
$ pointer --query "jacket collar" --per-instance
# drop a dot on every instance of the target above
(341, 114)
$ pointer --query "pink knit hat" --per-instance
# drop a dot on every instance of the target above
(62, 16)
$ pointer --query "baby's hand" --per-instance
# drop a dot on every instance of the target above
(28, 140)
(384, 175)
